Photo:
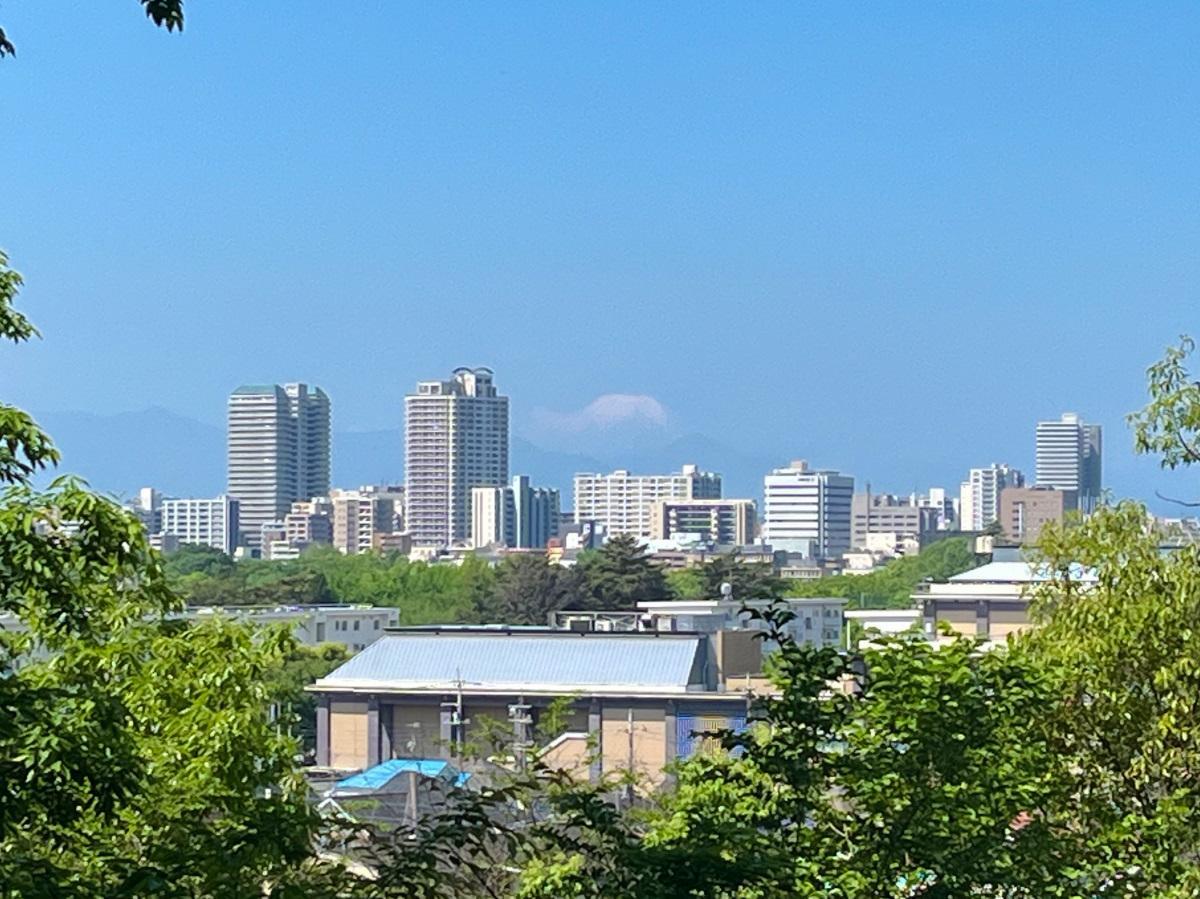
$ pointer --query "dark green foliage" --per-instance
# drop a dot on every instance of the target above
(749, 580)
(196, 559)
(526, 590)
(165, 13)
(299, 667)
(892, 586)
(424, 593)
(619, 575)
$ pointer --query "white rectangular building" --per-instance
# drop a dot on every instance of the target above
(979, 495)
(621, 502)
(519, 516)
(204, 522)
(807, 510)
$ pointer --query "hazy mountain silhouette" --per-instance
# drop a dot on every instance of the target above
(184, 457)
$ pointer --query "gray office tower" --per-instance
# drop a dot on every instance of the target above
(1069, 459)
(279, 452)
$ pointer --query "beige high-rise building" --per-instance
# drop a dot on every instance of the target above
(278, 452)
(621, 502)
(309, 522)
(359, 516)
(455, 439)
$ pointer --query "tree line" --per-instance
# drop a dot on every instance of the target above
(523, 588)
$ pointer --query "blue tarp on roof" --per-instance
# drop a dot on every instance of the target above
(378, 777)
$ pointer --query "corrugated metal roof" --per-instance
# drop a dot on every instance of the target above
(560, 662)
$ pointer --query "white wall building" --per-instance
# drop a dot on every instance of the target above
(621, 502)
(1069, 458)
(519, 516)
(278, 451)
(455, 439)
(205, 522)
(356, 626)
(979, 495)
(807, 510)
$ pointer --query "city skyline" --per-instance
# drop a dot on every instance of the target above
(639, 175)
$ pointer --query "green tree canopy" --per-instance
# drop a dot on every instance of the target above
(526, 590)
(136, 753)
(619, 575)
(892, 586)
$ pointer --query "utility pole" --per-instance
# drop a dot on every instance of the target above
(521, 720)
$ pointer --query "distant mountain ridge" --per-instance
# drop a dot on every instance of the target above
(181, 456)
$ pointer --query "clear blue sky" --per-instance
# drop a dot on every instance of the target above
(887, 237)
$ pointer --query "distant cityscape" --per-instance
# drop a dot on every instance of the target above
(460, 497)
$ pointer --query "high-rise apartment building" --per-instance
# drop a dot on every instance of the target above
(1069, 459)
(519, 516)
(455, 439)
(807, 511)
(279, 452)
(359, 516)
(725, 522)
(204, 522)
(621, 501)
(979, 495)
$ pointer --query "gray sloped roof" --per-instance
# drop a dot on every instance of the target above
(560, 662)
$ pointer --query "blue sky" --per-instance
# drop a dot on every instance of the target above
(885, 237)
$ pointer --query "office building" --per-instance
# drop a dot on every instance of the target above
(455, 439)
(1024, 511)
(202, 522)
(620, 502)
(519, 516)
(360, 515)
(807, 510)
(724, 522)
(279, 452)
(883, 513)
(1069, 458)
(979, 496)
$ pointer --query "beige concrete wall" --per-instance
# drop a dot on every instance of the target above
(348, 735)
(961, 618)
(417, 731)
(649, 742)
(569, 752)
